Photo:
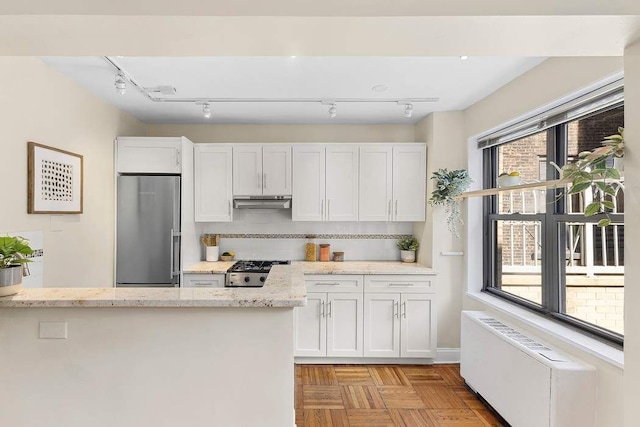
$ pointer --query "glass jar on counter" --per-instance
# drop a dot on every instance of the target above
(311, 249)
(325, 249)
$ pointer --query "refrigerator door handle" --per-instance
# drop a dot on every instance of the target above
(171, 273)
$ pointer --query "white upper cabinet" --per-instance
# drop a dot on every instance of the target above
(148, 155)
(309, 171)
(247, 170)
(393, 182)
(212, 183)
(261, 170)
(325, 181)
(409, 182)
(276, 170)
(342, 183)
(376, 182)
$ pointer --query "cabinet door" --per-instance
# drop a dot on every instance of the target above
(212, 183)
(375, 198)
(409, 182)
(342, 183)
(149, 155)
(308, 183)
(203, 281)
(344, 325)
(247, 170)
(418, 325)
(310, 325)
(381, 325)
(276, 170)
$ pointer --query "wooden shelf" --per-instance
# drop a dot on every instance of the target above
(531, 186)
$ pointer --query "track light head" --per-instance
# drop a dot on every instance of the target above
(206, 110)
(333, 110)
(121, 83)
(408, 110)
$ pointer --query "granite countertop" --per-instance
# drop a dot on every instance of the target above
(363, 267)
(347, 267)
(284, 288)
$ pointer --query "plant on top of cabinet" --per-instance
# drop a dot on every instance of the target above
(448, 186)
(408, 246)
(13, 256)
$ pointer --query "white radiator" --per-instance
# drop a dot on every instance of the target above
(524, 380)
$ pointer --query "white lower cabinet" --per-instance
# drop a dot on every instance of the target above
(399, 325)
(331, 322)
(203, 281)
(388, 317)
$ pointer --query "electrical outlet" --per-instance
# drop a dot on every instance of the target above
(53, 330)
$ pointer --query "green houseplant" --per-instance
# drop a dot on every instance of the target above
(408, 246)
(13, 256)
(448, 185)
(591, 169)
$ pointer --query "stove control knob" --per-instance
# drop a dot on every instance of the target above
(246, 278)
(262, 279)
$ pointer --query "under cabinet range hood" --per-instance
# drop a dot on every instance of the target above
(262, 202)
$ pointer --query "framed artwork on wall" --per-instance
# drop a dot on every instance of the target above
(55, 180)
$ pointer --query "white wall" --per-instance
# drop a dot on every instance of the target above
(39, 104)
(442, 132)
(148, 367)
(632, 229)
(287, 133)
(550, 81)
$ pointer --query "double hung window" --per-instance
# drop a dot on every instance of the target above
(541, 251)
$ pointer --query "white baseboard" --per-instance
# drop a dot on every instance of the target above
(447, 355)
(443, 355)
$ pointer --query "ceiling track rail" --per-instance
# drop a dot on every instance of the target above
(200, 100)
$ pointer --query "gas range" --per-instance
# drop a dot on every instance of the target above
(245, 274)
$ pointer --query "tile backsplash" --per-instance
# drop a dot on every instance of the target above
(271, 234)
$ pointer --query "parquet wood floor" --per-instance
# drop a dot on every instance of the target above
(389, 396)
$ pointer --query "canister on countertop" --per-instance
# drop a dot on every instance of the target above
(325, 249)
(338, 256)
(311, 249)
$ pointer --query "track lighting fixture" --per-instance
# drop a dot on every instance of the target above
(408, 110)
(206, 110)
(124, 79)
(121, 83)
(333, 110)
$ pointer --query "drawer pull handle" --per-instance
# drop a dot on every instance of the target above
(327, 284)
(203, 283)
(401, 284)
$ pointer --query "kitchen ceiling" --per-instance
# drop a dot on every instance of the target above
(270, 82)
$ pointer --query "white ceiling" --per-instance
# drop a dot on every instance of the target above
(457, 83)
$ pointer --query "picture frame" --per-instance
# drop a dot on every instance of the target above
(55, 180)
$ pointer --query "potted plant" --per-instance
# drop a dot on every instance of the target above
(408, 246)
(13, 253)
(447, 187)
(591, 169)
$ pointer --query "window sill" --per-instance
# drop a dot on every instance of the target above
(567, 335)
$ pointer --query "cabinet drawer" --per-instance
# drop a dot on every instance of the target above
(334, 283)
(203, 281)
(399, 283)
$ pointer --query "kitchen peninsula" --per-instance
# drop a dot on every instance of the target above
(148, 356)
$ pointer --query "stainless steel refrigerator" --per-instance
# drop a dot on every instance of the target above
(148, 231)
